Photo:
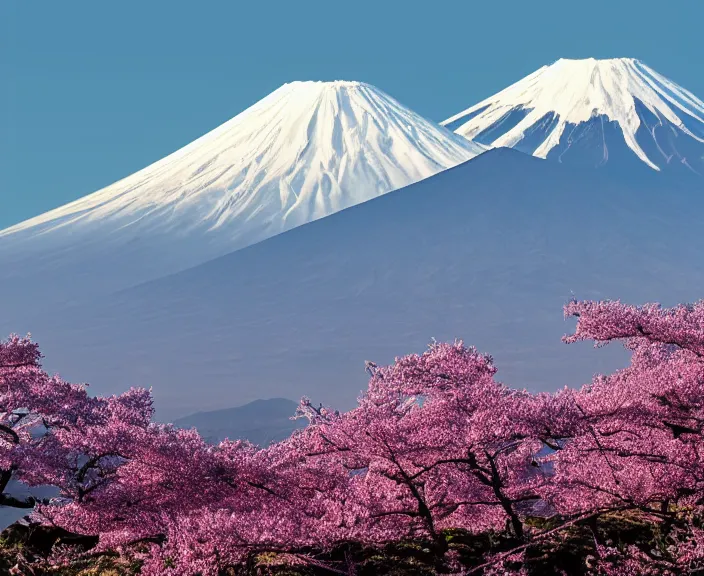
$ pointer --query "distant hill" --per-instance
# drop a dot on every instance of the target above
(261, 422)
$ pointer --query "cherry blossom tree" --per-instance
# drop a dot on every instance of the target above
(638, 438)
(436, 442)
(53, 432)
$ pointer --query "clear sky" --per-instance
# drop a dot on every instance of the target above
(93, 91)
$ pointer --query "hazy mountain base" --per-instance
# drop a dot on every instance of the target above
(488, 252)
(26, 549)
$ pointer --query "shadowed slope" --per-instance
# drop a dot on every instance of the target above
(488, 251)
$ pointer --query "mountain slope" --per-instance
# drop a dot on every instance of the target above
(305, 151)
(261, 422)
(488, 251)
(593, 112)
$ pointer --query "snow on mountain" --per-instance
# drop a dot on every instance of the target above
(488, 251)
(589, 111)
(305, 151)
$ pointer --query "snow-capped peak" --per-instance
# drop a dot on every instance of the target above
(306, 150)
(540, 112)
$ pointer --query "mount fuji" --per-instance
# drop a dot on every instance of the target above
(305, 151)
(616, 112)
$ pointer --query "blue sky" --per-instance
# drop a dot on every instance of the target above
(93, 91)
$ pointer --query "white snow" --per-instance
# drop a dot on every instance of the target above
(577, 90)
(306, 150)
